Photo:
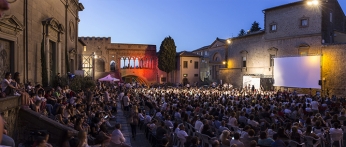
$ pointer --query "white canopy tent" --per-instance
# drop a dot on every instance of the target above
(109, 78)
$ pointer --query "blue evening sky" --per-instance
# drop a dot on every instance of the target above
(191, 23)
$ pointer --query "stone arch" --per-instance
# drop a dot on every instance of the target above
(112, 65)
(217, 57)
(134, 78)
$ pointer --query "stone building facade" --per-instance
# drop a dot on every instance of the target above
(212, 59)
(129, 62)
(294, 29)
(27, 25)
(187, 69)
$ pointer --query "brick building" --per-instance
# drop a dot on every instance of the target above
(131, 62)
(294, 29)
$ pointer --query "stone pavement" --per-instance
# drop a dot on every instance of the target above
(140, 140)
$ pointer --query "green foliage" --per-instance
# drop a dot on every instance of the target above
(167, 55)
(255, 27)
(44, 66)
(80, 83)
(241, 33)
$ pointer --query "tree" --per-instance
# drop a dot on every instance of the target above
(241, 33)
(255, 27)
(167, 55)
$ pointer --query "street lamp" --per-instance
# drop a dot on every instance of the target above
(313, 2)
(224, 62)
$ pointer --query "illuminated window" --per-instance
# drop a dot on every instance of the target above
(244, 61)
(84, 48)
(185, 64)
(273, 27)
(304, 22)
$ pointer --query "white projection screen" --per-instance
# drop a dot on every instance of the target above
(249, 80)
(300, 72)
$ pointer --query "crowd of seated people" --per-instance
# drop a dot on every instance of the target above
(88, 110)
(238, 117)
(215, 115)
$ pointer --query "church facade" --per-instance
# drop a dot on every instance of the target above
(34, 28)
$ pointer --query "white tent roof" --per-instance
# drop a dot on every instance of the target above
(109, 78)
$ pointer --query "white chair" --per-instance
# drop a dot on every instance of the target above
(310, 141)
(336, 137)
(295, 144)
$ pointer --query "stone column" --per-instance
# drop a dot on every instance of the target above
(58, 58)
(134, 62)
(124, 62)
(48, 58)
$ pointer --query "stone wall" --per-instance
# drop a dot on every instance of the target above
(232, 76)
(30, 120)
(28, 17)
(20, 122)
(9, 108)
(288, 21)
(333, 70)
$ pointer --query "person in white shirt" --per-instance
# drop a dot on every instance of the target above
(118, 139)
(336, 132)
(6, 85)
(308, 108)
(235, 140)
(287, 110)
(198, 124)
(181, 134)
(314, 106)
(232, 121)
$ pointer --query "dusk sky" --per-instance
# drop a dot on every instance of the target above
(191, 23)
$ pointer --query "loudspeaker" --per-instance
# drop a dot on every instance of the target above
(319, 82)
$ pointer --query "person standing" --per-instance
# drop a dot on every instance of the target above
(314, 106)
(126, 101)
(133, 121)
(58, 80)
(118, 139)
